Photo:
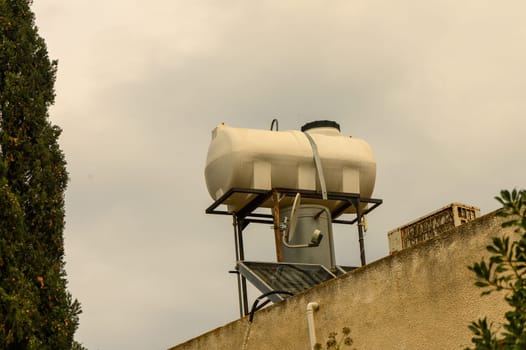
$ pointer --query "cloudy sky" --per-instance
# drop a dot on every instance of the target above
(437, 88)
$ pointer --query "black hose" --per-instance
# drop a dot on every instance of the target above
(256, 307)
(274, 121)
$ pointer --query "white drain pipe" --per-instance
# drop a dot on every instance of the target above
(311, 307)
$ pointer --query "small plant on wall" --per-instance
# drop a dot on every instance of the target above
(333, 343)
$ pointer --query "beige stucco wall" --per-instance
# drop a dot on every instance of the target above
(420, 298)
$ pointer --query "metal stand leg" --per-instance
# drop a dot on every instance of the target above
(240, 256)
(356, 203)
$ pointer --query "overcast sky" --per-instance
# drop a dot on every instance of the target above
(437, 88)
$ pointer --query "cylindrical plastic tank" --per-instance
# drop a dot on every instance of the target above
(264, 159)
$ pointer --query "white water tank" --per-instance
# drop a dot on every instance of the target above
(264, 159)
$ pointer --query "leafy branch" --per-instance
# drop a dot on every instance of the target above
(505, 271)
(334, 344)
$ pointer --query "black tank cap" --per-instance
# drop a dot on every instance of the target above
(320, 124)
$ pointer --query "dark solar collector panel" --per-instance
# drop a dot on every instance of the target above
(289, 277)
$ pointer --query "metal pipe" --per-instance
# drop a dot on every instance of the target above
(314, 242)
(311, 307)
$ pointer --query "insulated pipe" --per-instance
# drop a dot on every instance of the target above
(311, 307)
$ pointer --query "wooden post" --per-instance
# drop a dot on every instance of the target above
(277, 230)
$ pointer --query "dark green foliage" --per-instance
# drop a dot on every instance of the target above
(77, 346)
(333, 343)
(505, 271)
(36, 311)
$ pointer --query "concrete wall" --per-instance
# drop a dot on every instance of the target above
(419, 298)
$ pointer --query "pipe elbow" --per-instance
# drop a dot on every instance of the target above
(312, 306)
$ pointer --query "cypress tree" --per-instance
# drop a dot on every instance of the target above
(36, 311)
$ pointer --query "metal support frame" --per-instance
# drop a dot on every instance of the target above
(359, 217)
(245, 215)
(240, 256)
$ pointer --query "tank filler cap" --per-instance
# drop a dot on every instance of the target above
(323, 127)
(320, 124)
